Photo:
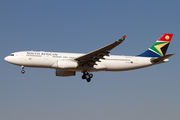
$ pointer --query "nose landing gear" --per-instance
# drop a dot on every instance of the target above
(87, 76)
(22, 71)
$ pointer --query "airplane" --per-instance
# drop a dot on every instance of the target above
(67, 64)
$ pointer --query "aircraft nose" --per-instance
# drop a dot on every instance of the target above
(10, 59)
(6, 58)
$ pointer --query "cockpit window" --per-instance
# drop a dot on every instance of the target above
(11, 54)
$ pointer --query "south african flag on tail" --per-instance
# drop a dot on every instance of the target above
(159, 48)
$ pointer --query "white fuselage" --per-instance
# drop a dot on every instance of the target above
(65, 61)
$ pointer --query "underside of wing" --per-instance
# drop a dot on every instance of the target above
(91, 58)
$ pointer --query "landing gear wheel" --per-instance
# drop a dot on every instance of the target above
(90, 75)
(86, 73)
(84, 77)
(88, 79)
(22, 71)
(87, 76)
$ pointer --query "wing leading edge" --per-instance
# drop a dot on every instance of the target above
(94, 56)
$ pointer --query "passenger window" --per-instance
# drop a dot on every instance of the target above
(11, 54)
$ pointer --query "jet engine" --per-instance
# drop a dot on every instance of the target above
(64, 73)
(67, 64)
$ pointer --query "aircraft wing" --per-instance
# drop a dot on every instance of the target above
(94, 56)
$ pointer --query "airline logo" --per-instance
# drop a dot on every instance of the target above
(122, 39)
(167, 37)
(161, 45)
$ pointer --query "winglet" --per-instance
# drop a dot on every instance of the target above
(122, 39)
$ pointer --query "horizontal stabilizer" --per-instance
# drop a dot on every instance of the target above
(156, 60)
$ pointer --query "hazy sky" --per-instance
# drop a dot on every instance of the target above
(80, 26)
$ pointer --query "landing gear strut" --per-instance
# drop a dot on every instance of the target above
(22, 71)
(87, 76)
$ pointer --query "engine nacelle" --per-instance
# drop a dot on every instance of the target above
(64, 73)
(67, 64)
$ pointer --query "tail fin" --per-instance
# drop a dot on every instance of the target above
(159, 48)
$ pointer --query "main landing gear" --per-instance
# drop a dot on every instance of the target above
(22, 71)
(87, 76)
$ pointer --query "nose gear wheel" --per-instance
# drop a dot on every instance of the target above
(22, 71)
